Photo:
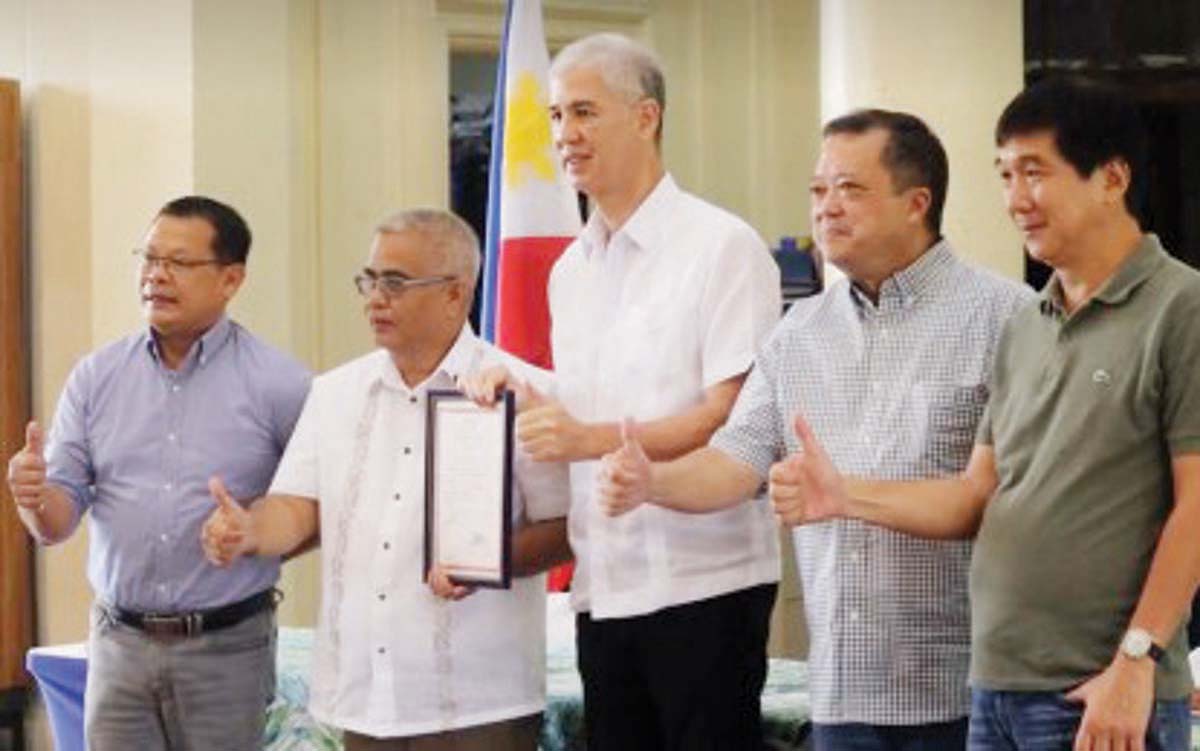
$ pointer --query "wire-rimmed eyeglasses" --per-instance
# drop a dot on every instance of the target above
(393, 284)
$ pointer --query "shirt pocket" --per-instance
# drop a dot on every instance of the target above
(953, 412)
(658, 371)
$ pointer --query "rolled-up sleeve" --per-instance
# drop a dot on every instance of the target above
(68, 451)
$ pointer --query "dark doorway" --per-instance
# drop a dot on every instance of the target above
(1155, 55)
(472, 87)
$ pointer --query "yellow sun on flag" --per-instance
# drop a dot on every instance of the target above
(527, 134)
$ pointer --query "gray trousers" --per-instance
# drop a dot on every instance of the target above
(520, 734)
(205, 693)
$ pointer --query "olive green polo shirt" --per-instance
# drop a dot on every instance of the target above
(1085, 414)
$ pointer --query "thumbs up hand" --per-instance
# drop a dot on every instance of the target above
(229, 532)
(27, 470)
(623, 482)
(547, 431)
(806, 487)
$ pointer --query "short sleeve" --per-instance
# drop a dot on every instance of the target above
(68, 450)
(741, 302)
(753, 434)
(545, 487)
(298, 472)
(1181, 387)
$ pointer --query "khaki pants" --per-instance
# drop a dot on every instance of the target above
(520, 734)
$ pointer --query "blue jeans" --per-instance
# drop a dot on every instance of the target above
(1046, 721)
(935, 736)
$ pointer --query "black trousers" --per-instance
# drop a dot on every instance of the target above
(686, 678)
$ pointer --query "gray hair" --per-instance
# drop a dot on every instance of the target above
(627, 67)
(449, 236)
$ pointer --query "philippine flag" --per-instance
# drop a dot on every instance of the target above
(533, 214)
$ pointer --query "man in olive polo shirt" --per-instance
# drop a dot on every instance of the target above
(1083, 490)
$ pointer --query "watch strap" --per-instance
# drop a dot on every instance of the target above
(1156, 652)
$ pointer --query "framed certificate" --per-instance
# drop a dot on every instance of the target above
(468, 489)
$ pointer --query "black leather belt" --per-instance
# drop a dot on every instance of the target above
(197, 622)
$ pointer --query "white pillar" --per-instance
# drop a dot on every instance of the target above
(953, 63)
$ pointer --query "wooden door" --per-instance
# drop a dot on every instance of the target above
(16, 585)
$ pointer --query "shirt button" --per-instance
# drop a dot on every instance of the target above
(855, 557)
(164, 537)
(387, 546)
(167, 486)
(412, 400)
(162, 587)
(382, 597)
(396, 497)
(407, 450)
(171, 437)
(381, 650)
(854, 616)
(175, 388)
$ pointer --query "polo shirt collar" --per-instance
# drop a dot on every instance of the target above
(459, 360)
(644, 226)
(204, 349)
(1133, 271)
(908, 284)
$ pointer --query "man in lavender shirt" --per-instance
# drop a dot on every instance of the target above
(181, 654)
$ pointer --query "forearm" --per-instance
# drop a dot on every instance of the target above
(948, 508)
(540, 546)
(284, 525)
(56, 519)
(673, 436)
(1174, 570)
(705, 480)
(939, 509)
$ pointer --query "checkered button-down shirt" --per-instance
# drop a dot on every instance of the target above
(893, 390)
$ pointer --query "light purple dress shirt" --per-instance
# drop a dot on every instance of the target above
(135, 443)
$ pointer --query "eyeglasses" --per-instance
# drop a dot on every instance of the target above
(393, 284)
(146, 261)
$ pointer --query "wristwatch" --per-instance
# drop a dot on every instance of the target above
(1138, 643)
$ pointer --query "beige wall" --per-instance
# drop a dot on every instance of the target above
(316, 117)
(108, 136)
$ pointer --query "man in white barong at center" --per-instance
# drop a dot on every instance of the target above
(402, 662)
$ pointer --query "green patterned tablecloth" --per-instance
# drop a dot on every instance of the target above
(289, 725)
(291, 728)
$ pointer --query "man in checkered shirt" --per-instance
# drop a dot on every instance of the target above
(890, 365)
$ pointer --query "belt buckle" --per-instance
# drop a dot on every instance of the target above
(172, 626)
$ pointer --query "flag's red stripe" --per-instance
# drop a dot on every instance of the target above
(523, 325)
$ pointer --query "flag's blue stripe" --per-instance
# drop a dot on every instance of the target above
(491, 259)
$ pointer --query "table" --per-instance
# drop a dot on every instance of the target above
(61, 673)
